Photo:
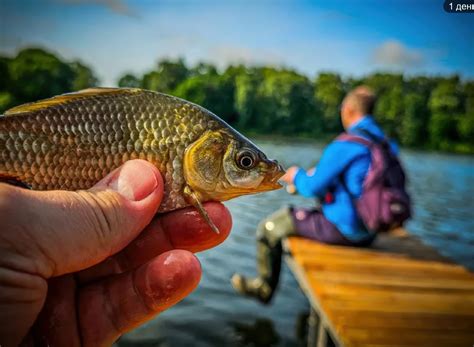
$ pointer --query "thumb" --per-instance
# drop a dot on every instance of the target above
(58, 232)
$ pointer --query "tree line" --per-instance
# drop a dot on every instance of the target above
(418, 111)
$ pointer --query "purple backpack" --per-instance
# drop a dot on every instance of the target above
(384, 203)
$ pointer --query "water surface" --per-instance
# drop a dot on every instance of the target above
(442, 188)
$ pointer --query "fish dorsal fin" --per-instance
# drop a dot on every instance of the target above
(66, 98)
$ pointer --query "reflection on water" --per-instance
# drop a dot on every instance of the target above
(442, 187)
(259, 333)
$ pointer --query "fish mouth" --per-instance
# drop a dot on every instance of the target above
(272, 176)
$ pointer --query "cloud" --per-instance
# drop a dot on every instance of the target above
(394, 53)
(116, 6)
(224, 55)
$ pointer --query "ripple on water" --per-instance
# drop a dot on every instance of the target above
(442, 187)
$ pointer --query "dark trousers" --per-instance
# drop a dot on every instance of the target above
(309, 223)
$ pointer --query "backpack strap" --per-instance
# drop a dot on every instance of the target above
(346, 137)
(358, 138)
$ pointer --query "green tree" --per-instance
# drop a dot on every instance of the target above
(466, 120)
(413, 122)
(286, 103)
(445, 104)
(83, 76)
(36, 74)
(152, 81)
(210, 91)
(246, 99)
(6, 101)
(167, 77)
(329, 92)
(129, 81)
(414, 125)
(203, 69)
(435, 112)
(4, 73)
(389, 108)
(6, 97)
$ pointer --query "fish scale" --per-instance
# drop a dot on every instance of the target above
(74, 144)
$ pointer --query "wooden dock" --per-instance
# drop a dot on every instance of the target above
(397, 293)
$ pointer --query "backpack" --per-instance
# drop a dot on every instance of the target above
(384, 203)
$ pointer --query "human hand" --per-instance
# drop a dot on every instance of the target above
(289, 176)
(82, 268)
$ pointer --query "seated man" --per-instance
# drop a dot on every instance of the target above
(337, 181)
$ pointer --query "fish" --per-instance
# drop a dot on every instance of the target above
(71, 141)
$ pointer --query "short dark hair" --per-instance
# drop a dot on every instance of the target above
(363, 99)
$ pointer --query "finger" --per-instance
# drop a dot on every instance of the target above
(58, 232)
(110, 307)
(182, 229)
(56, 325)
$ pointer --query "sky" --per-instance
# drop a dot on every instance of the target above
(351, 37)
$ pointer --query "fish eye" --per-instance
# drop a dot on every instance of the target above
(246, 160)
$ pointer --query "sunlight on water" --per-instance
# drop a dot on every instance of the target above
(442, 188)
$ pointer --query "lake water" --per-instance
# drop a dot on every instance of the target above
(442, 188)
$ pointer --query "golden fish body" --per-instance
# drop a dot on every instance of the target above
(72, 141)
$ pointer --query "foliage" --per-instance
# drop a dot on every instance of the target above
(329, 92)
(412, 130)
(419, 111)
(211, 91)
(246, 85)
(83, 77)
(129, 81)
(466, 122)
(168, 75)
(5, 75)
(37, 74)
(445, 105)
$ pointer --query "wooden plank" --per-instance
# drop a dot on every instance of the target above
(313, 299)
(390, 244)
(400, 306)
(389, 280)
(318, 255)
(400, 289)
(301, 246)
(405, 320)
(402, 337)
(356, 293)
(409, 245)
(384, 265)
(372, 298)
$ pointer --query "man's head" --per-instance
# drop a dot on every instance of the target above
(357, 103)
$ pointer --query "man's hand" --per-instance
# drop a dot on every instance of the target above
(82, 268)
(289, 176)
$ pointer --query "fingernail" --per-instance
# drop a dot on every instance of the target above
(135, 180)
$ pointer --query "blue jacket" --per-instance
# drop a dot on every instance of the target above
(349, 161)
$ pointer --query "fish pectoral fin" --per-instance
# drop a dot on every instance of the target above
(14, 181)
(194, 200)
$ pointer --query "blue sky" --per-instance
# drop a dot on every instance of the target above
(352, 37)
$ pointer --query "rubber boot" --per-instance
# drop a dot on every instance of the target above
(263, 286)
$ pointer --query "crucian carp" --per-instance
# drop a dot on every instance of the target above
(72, 141)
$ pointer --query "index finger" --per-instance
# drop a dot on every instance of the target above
(182, 229)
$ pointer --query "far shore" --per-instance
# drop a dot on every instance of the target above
(323, 140)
